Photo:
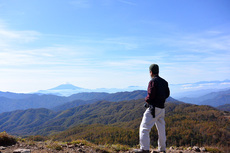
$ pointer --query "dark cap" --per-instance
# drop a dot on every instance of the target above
(154, 68)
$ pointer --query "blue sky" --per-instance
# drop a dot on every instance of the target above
(111, 43)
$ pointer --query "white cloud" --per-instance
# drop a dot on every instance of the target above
(10, 39)
(7, 36)
(225, 83)
(16, 50)
(48, 56)
(203, 42)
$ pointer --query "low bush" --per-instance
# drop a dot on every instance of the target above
(6, 139)
(54, 145)
(213, 150)
(119, 147)
(37, 138)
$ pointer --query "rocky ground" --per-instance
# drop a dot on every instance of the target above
(44, 147)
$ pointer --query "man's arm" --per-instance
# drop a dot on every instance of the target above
(151, 92)
(167, 91)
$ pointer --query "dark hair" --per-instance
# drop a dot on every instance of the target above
(154, 68)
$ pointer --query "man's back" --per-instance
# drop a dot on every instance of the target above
(162, 91)
(158, 91)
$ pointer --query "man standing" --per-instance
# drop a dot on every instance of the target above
(158, 91)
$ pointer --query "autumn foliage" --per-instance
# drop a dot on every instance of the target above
(186, 125)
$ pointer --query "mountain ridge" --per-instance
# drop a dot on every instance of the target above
(52, 101)
(65, 86)
(69, 89)
(214, 99)
(13, 101)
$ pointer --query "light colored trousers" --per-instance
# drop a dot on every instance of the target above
(147, 123)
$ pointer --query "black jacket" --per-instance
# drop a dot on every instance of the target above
(158, 92)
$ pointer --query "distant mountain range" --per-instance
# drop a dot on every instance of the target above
(177, 90)
(14, 101)
(29, 101)
(69, 89)
(89, 98)
(225, 107)
(214, 99)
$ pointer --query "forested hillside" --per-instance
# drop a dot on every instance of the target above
(24, 122)
(118, 122)
(100, 112)
(186, 125)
